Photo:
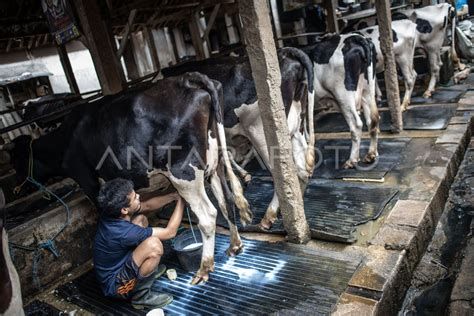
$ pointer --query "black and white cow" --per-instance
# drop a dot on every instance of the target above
(10, 291)
(344, 71)
(242, 115)
(173, 127)
(431, 23)
(404, 41)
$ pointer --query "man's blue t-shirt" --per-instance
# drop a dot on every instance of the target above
(114, 243)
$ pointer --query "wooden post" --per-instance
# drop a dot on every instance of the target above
(66, 63)
(266, 73)
(179, 47)
(232, 33)
(130, 62)
(391, 80)
(330, 6)
(276, 21)
(152, 48)
(196, 36)
(104, 54)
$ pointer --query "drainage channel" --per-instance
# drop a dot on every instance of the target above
(433, 279)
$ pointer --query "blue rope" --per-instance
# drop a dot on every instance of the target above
(49, 244)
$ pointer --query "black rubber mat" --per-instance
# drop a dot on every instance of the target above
(267, 278)
(440, 95)
(40, 308)
(333, 208)
(330, 151)
(416, 118)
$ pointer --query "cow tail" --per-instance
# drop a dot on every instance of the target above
(214, 89)
(454, 56)
(304, 59)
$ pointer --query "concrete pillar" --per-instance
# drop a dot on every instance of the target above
(266, 74)
(104, 54)
(384, 17)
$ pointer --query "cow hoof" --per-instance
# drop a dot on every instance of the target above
(427, 94)
(349, 164)
(200, 278)
(370, 157)
(404, 107)
(265, 223)
(246, 216)
(234, 251)
(247, 179)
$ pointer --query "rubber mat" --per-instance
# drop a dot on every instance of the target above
(416, 118)
(441, 95)
(40, 308)
(333, 209)
(330, 151)
(266, 278)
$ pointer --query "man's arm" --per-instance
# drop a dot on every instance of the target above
(157, 202)
(173, 224)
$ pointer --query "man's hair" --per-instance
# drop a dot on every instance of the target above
(113, 196)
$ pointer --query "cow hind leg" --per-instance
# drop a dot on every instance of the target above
(409, 75)
(372, 118)
(236, 245)
(349, 111)
(193, 192)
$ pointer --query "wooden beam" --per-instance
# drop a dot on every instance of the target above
(330, 6)
(152, 48)
(100, 45)
(266, 73)
(66, 63)
(384, 18)
(231, 32)
(126, 33)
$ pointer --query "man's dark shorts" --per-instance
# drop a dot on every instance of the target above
(127, 278)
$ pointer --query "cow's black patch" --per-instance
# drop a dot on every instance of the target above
(358, 53)
(370, 31)
(394, 36)
(445, 22)
(423, 26)
(396, 16)
(324, 50)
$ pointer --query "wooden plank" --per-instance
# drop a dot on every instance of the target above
(391, 80)
(266, 73)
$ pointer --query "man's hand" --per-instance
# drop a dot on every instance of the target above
(158, 202)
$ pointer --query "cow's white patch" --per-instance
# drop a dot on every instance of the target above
(212, 153)
(294, 117)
